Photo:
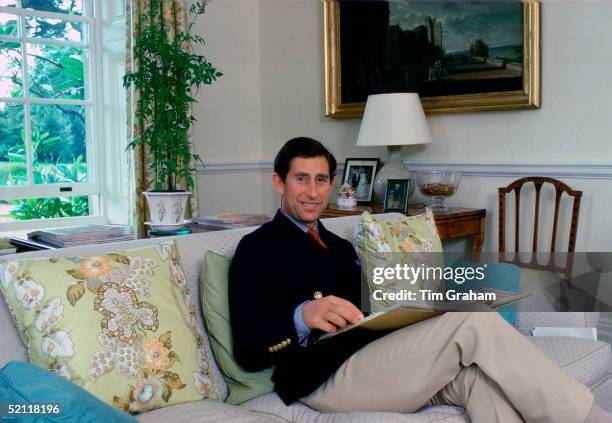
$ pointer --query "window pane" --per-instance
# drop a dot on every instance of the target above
(12, 145)
(58, 143)
(54, 28)
(8, 25)
(11, 79)
(56, 72)
(73, 7)
(43, 208)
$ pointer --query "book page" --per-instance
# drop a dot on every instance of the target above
(414, 312)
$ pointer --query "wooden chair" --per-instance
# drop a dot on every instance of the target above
(560, 188)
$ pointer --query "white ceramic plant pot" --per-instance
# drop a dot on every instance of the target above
(167, 208)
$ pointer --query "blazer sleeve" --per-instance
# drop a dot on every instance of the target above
(262, 327)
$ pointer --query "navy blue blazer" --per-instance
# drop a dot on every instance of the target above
(276, 268)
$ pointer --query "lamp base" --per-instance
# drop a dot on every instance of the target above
(394, 168)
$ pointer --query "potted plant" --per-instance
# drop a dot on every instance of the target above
(168, 73)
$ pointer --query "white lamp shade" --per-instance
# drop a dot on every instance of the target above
(393, 119)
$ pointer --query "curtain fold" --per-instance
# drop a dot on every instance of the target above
(174, 15)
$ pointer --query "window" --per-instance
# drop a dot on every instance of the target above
(49, 148)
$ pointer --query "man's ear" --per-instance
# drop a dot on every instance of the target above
(333, 181)
(279, 184)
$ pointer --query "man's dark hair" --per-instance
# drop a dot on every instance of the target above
(302, 147)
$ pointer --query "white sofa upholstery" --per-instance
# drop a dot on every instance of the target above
(587, 361)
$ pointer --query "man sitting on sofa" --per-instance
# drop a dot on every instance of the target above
(292, 276)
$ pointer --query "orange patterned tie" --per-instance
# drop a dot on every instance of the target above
(315, 235)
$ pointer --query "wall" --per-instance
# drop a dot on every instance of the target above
(272, 90)
(228, 113)
(271, 52)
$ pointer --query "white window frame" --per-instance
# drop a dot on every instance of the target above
(94, 117)
(114, 167)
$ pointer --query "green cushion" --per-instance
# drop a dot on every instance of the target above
(242, 385)
(384, 242)
(120, 325)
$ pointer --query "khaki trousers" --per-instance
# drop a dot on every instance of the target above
(474, 360)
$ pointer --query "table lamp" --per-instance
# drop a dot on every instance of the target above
(393, 120)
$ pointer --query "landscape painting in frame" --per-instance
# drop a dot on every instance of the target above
(458, 55)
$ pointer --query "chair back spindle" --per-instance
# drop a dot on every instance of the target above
(538, 182)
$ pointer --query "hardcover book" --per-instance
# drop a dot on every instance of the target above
(407, 314)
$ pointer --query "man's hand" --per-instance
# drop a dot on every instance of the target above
(330, 313)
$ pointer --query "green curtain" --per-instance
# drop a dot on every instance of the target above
(174, 14)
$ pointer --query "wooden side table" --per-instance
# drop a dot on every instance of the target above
(457, 222)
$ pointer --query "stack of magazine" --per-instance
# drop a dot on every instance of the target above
(81, 235)
(231, 220)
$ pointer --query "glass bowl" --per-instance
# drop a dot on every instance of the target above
(439, 185)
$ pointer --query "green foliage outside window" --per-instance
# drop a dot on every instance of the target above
(44, 173)
(43, 208)
(72, 7)
(58, 131)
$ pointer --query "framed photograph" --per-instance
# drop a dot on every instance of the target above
(360, 173)
(458, 55)
(396, 195)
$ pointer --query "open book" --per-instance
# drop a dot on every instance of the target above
(407, 314)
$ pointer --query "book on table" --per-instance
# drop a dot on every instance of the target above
(413, 312)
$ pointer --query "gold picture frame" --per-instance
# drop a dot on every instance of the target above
(529, 97)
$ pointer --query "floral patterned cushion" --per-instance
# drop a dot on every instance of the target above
(384, 242)
(121, 325)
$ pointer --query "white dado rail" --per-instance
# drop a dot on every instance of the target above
(583, 170)
(236, 167)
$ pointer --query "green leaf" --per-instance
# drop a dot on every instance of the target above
(173, 358)
(9, 45)
(131, 390)
(167, 393)
(73, 68)
(173, 380)
(166, 339)
(77, 274)
(121, 404)
(120, 258)
(75, 292)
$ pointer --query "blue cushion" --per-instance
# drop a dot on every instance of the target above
(502, 276)
(25, 383)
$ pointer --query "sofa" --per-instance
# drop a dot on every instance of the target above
(586, 360)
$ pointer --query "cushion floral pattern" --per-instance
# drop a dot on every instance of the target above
(121, 325)
(381, 242)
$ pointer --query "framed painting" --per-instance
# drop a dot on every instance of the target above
(458, 55)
